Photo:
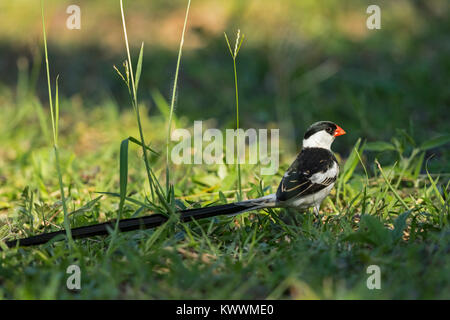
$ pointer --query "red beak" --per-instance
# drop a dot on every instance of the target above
(339, 131)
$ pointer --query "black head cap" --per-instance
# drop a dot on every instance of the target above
(328, 126)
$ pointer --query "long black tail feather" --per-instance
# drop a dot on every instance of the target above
(146, 222)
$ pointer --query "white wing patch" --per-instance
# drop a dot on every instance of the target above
(327, 177)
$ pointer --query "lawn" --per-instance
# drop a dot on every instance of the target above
(387, 88)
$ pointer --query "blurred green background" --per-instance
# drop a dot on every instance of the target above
(301, 61)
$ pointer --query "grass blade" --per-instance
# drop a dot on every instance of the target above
(435, 142)
(88, 206)
(136, 141)
(56, 110)
(390, 186)
(139, 66)
(123, 173)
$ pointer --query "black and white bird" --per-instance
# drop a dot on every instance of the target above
(310, 178)
(306, 183)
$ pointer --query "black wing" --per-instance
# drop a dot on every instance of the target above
(298, 179)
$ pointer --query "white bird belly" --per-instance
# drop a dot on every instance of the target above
(312, 200)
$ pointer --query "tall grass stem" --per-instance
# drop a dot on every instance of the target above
(135, 104)
(55, 120)
(234, 54)
(154, 184)
(172, 103)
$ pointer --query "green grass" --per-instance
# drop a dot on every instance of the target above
(389, 208)
(54, 112)
(265, 255)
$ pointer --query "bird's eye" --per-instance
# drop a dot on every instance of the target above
(329, 129)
